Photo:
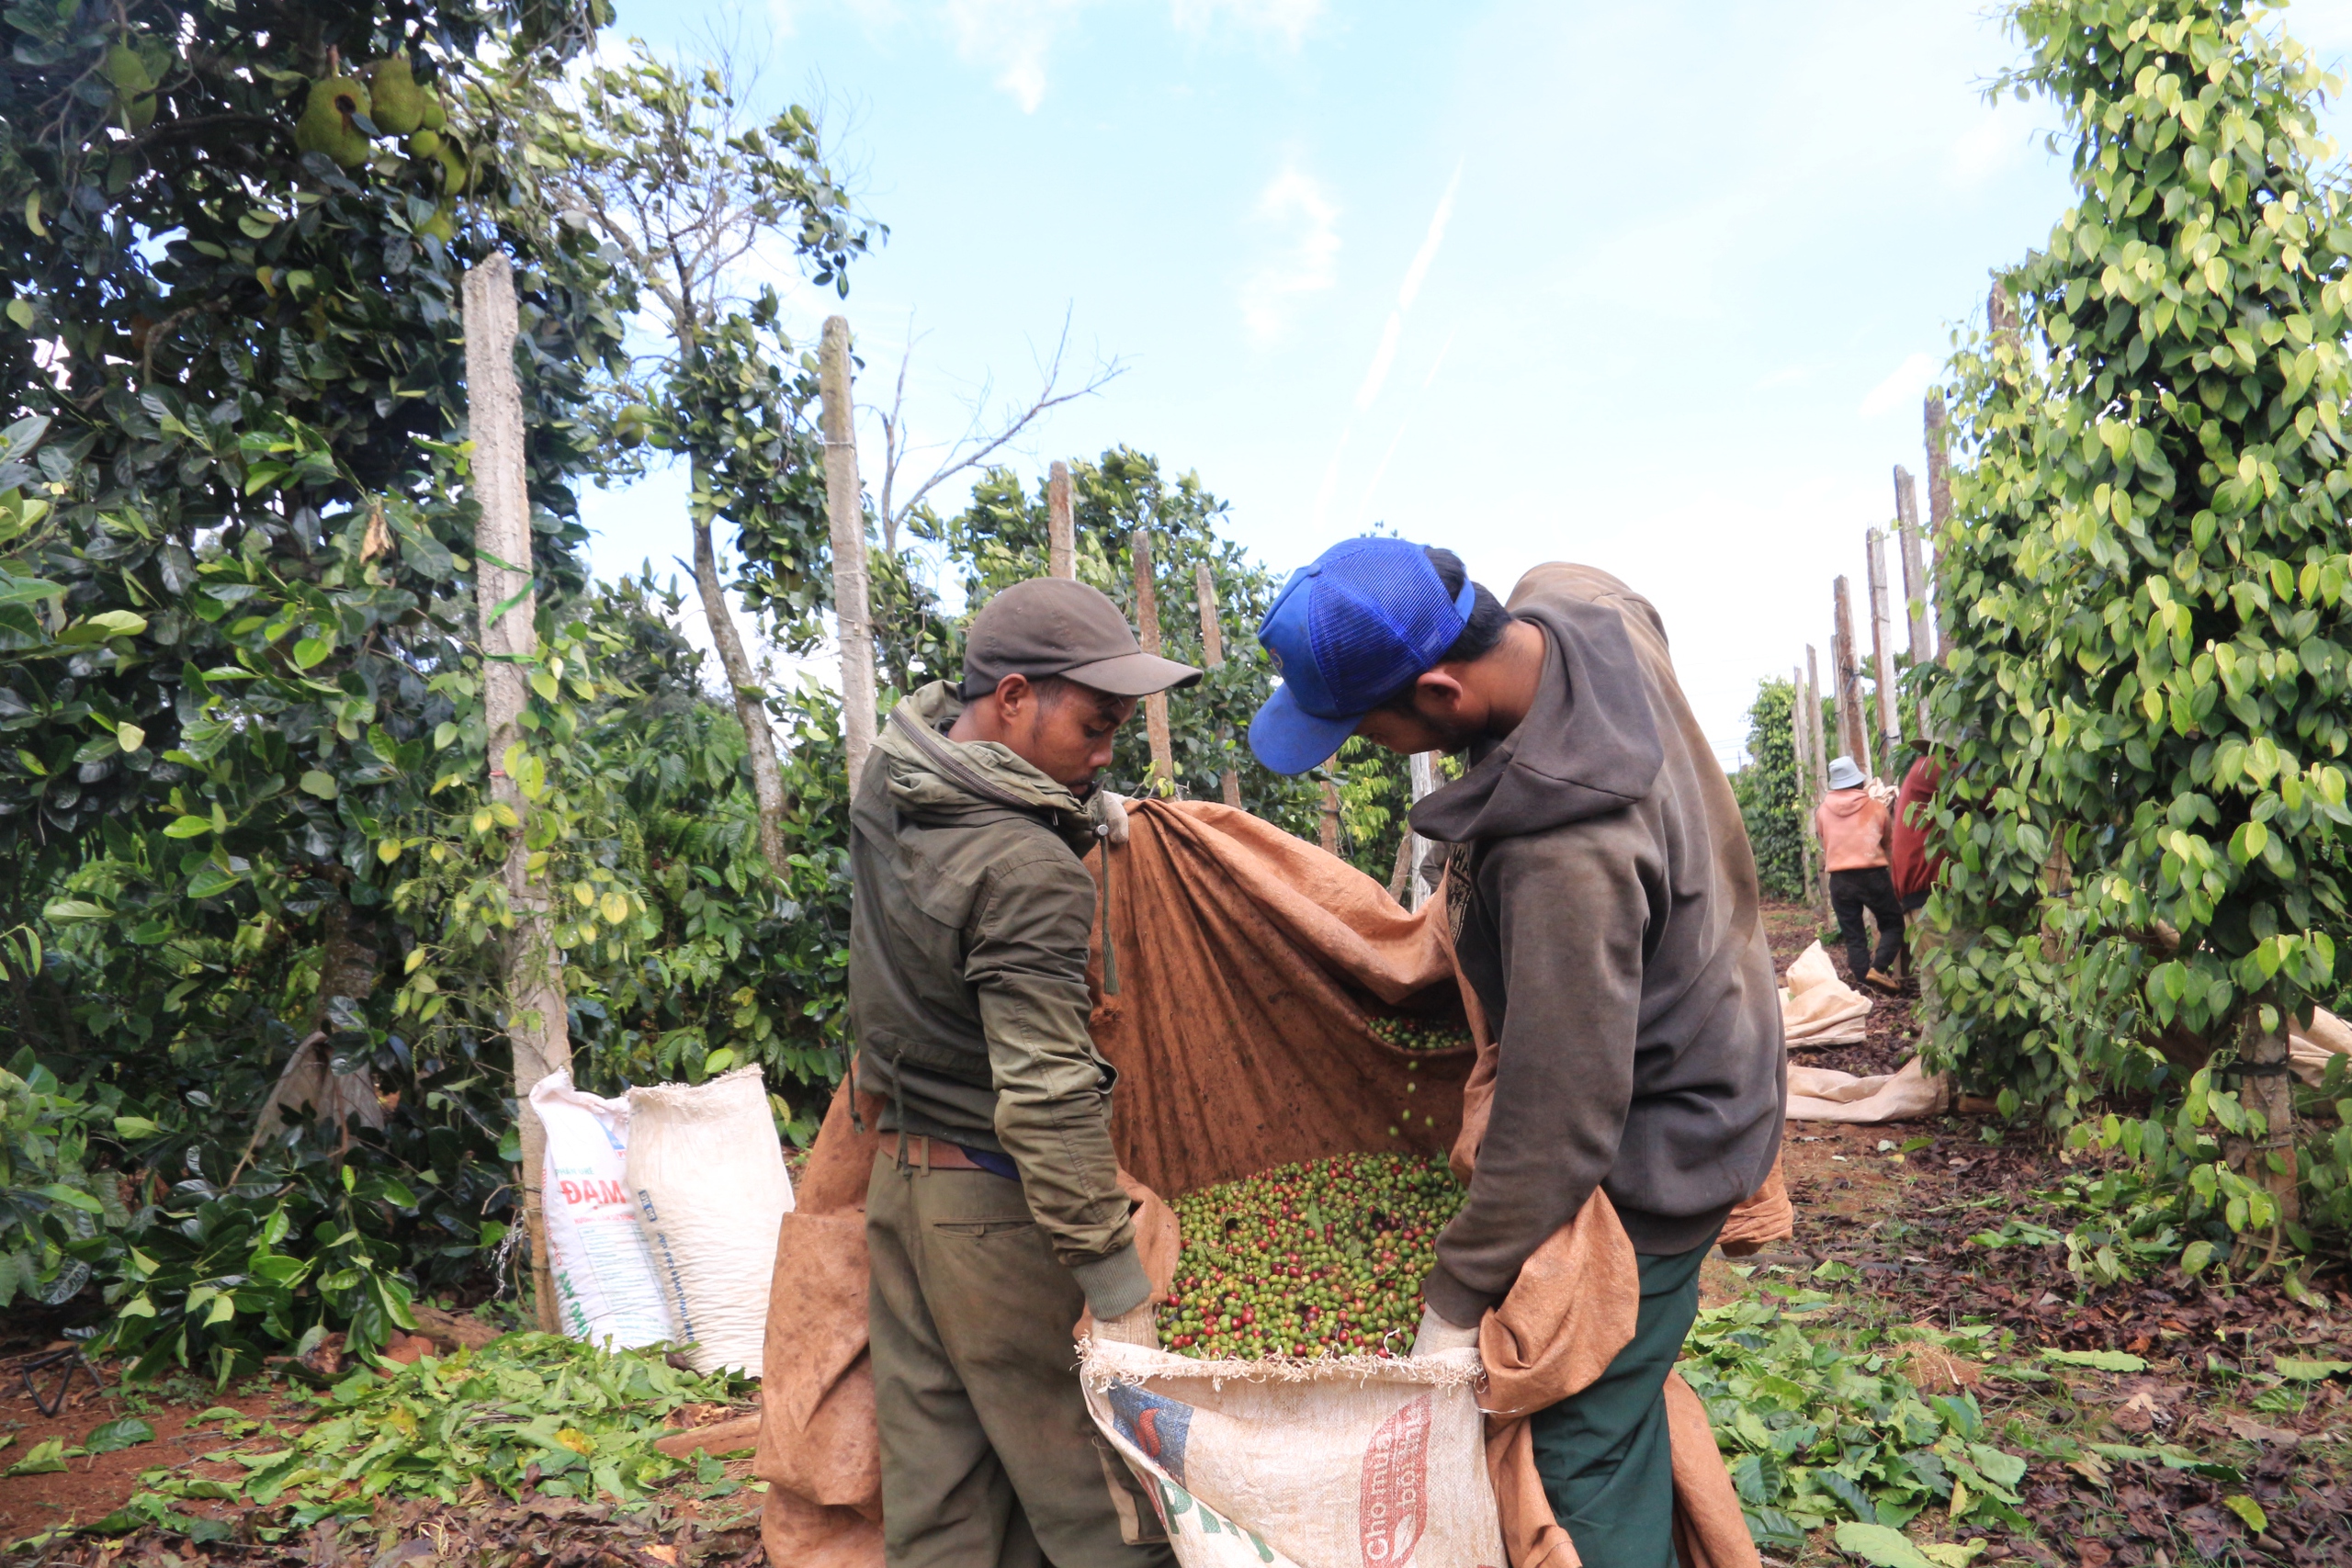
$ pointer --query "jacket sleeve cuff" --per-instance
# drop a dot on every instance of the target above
(1455, 1301)
(1114, 1285)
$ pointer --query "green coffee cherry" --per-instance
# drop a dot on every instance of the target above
(1305, 1260)
(1420, 1036)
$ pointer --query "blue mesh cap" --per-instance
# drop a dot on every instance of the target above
(1348, 633)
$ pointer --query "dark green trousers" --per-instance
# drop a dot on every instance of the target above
(1604, 1455)
(988, 1457)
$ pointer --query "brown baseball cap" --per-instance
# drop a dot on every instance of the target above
(1053, 625)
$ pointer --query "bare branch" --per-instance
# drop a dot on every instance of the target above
(980, 443)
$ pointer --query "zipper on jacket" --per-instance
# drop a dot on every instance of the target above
(1110, 948)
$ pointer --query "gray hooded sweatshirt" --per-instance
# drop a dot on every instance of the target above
(1606, 908)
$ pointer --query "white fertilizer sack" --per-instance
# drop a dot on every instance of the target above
(606, 1292)
(706, 1170)
(1346, 1462)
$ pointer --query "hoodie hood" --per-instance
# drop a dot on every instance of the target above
(1847, 803)
(942, 783)
(1588, 745)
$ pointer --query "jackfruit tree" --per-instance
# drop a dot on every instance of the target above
(689, 189)
(236, 608)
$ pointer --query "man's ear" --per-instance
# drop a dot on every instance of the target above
(1438, 693)
(1012, 693)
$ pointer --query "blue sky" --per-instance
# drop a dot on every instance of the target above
(1656, 288)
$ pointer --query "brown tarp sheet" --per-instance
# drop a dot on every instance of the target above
(1250, 965)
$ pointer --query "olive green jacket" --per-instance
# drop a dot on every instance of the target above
(968, 934)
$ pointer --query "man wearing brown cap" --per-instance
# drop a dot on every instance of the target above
(994, 1215)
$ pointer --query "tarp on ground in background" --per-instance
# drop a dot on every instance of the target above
(1817, 1007)
(2309, 1049)
(1250, 964)
(1908, 1094)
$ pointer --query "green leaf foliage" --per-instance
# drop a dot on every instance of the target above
(1880, 1547)
(2149, 694)
(123, 1432)
(1771, 793)
(533, 1410)
(54, 1198)
(2098, 1361)
(1813, 1433)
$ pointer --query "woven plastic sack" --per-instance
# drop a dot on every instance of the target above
(606, 1292)
(706, 1170)
(1344, 1462)
(1817, 1007)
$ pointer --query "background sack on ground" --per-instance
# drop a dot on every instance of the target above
(706, 1171)
(2309, 1049)
(1908, 1094)
(606, 1292)
(1817, 1007)
(1334, 1465)
(1250, 964)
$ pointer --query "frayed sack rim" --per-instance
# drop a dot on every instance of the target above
(1102, 1363)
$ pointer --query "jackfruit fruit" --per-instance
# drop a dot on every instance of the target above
(442, 225)
(453, 167)
(424, 144)
(326, 125)
(127, 71)
(139, 113)
(435, 116)
(399, 102)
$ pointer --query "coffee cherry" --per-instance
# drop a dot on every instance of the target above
(1307, 1260)
(1418, 1035)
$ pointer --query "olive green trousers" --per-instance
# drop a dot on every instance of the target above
(1604, 1454)
(988, 1457)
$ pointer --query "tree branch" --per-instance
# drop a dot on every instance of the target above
(977, 447)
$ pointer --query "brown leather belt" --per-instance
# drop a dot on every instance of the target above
(928, 1154)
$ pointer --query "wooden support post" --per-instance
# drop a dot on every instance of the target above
(1890, 711)
(1800, 749)
(1329, 836)
(1213, 658)
(1061, 533)
(1421, 772)
(1162, 778)
(1938, 517)
(1914, 572)
(1853, 735)
(531, 970)
(1820, 762)
(2268, 1087)
(845, 512)
(2001, 315)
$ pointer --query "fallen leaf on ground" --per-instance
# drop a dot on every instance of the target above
(2254, 1431)
(1880, 1546)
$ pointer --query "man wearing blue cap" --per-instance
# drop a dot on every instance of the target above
(1604, 901)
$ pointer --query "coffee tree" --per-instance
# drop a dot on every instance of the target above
(2149, 688)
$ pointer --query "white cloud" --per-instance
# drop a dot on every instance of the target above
(1014, 38)
(1289, 19)
(2004, 136)
(1011, 38)
(1404, 427)
(1394, 332)
(1305, 219)
(1906, 384)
